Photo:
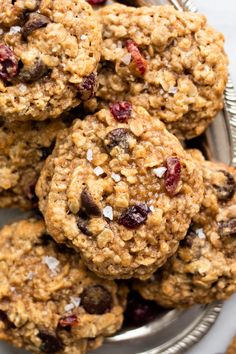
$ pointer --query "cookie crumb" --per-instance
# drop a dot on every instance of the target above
(108, 212)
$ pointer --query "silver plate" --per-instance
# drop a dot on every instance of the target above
(175, 331)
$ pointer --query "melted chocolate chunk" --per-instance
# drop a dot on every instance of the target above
(226, 192)
(117, 137)
(34, 22)
(96, 299)
(227, 228)
(88, 204)
(50, 342)
(34, 73)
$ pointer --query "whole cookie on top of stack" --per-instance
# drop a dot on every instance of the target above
(204, 267)
(49, 51)
(49, 302)
(121, 190)
(169, 62)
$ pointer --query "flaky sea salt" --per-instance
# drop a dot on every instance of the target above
(22, 88)
(52, 263)
(126, 59)
(30, 275)
(173, 90)
(160, 171)
(115, 177)
(83, 37)
(75, 301)
(200, 233)
(98, 171)
(89, 155)
(152, 208)
(108, 212)
(69, 307)
(15, 29)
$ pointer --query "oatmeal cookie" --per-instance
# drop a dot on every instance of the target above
(232, 348)
(24, 146)
(49, 51)
(50, 303)
(169, 62)
(121, 190)
(204, 268)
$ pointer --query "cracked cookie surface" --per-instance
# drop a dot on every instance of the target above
(171, 63)
(50, 302)
(204, 267)
(49, 51)
(121, 190)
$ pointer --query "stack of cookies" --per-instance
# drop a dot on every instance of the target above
(95, 109)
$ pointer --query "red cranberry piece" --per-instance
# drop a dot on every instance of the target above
(134, 216)
(96, 2)
(140, 311)
(68, 321)
(96, 299)
(8, 63)
(35, 22)
(139, 60)
(50, 342)
(226, 192)
(88, 203)
(227, 228)
(121, 111)
(87, 88)
(172, 174)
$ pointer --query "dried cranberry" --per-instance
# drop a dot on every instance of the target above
(68, 321)
(96, 299)
(96, 2)
(227, 228)
(172, 174)
(134, 216)
(139, 60)
(50, 342)
(117, 137)
(5, 319)
(8, 63)
(226, 192)
(47, 150)
(121, 111)
(35, 22)
(88, 204)
(140, 311)
(34, 73)
(87, 88)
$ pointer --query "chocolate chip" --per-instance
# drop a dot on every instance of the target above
(68, 321)
(5, 319)
(47, 150)
(33, 73)
(50, 342)
(172, 175)
(8, 63)
(134, 216)
(117, 137)
(34, 22)
(226, 192)
(227, 228)
(96, 299)
(82, 220)
(87, 88)
(121, 111)
(88, 204)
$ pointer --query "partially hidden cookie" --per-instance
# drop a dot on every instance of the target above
(232, 348)
(204, 267)
(49, 302)
(24, 146)
(169, 62)
(49, 51)
(121, 190)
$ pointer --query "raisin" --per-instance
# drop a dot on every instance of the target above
(88, 204)
(50, 342)
(8, 63)
(227, 228)
(87, 88)
(82, 220)
(117, 137)
(68, 321)
(134, 216)
(188, 240)
(140, 311)
(121, 111)
(226, 192)
(47, 150)
(96, 299)
(172, 175)
(139, 61)
(34, 22)
(96, 2)
(5, 319)
(33, 73)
